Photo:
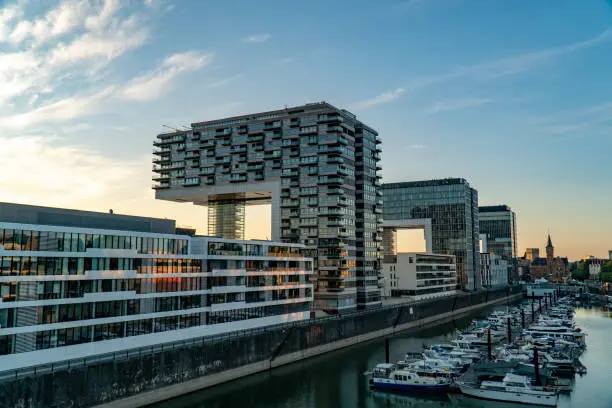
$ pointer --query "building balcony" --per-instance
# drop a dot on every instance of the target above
(161, 177)
(330, 118)
(237, 178)
(163, 150)
(207, 143)
(290, 203)
(335, 191)
(239, 149)
(256, 138)
(254, 167)
(161, 159)
(192, 183)
(160, 186)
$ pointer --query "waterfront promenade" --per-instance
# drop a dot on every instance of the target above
(144, 376)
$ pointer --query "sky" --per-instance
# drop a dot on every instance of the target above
(513, 95)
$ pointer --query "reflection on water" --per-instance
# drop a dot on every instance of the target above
(337, 381)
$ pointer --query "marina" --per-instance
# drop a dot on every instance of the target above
(526, 369)
(337, 380)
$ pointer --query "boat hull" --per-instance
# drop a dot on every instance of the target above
(420, 388)
(502, 396)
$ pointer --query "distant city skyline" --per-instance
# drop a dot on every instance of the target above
(454, 89)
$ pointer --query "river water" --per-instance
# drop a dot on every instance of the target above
(336, 380)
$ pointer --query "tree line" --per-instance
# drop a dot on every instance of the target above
(580, 271)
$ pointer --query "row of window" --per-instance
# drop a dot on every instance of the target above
(24, 240)
(238, 249)
(26, 265)
(41, 266)
(97, 310)
(86, 334)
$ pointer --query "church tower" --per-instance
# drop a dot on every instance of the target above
(550, 250)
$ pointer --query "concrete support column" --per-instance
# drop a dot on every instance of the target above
(226, 218)
(389, 237)
(276, 213)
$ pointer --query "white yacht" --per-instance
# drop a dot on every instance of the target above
(391, 378)
(513, 388)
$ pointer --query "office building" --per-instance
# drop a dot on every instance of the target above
(610, 254)
(419, 275)
(498, 224)
(532, 253)
(81, 291)
(494, 270)
(316, 165)
(447, 211)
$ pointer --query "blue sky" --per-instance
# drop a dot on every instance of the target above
(513, 95)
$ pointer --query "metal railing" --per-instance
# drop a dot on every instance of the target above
(357, 315)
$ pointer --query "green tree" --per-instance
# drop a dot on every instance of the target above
(605, 274)
(581, 272)
(607, 267)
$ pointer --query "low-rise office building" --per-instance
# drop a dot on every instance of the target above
(419, 275)
(494, 270)
(74, 292)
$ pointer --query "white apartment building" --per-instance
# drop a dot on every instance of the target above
(419, 275)
(493, 270)
(72, 292)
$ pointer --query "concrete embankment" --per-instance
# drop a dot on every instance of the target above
(277, 360)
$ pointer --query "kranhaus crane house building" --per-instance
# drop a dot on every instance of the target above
(318, 168)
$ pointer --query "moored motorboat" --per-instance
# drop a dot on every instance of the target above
(513, 388)
(405, 380)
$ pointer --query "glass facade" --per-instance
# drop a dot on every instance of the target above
(52, 241)
(452, 207)
(498, 223)
(55, 292)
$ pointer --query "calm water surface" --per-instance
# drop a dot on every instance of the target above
(336, 380)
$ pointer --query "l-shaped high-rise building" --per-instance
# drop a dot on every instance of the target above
(316, 165)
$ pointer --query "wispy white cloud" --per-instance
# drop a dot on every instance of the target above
(68, 78)
(79, 127)
(580, 120)
(44, 165)
(225, 81)
(383, 98)
(104, 17)
(59, 111)
(58, 21)
(512, 65)
(417, 147)
(152, 85)
(101, 47)
(458, 104)
(257, 38)
(80, 38)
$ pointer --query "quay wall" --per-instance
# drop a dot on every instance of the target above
(141, 377)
